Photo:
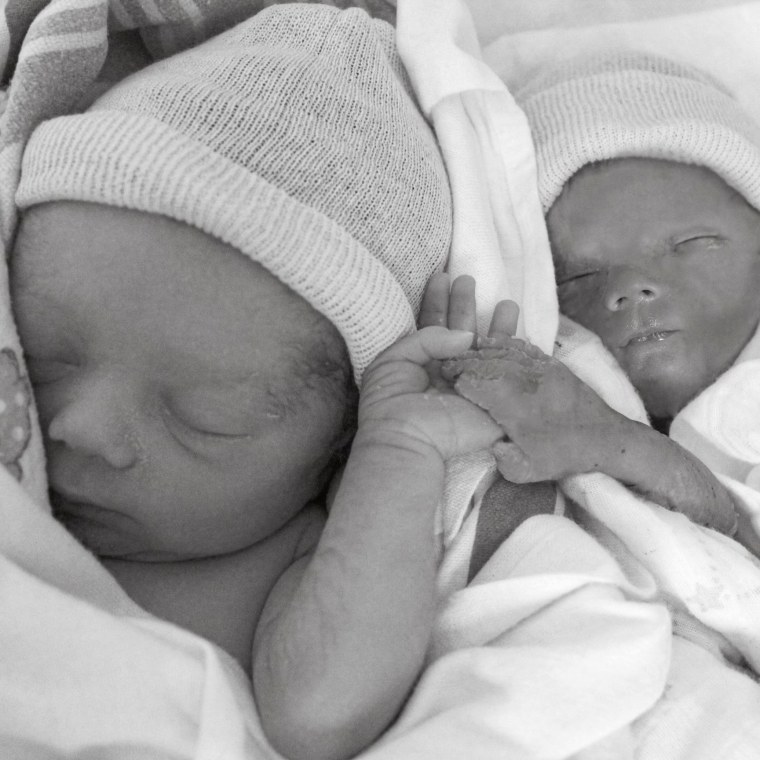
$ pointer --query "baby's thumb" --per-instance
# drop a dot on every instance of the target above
(425, 345)
(512, 462)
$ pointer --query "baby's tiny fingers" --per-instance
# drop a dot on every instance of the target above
(504, 321)
(462, 315)
(434, 310)
(424, 346)
(512, 462)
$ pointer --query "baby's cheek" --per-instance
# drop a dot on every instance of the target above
(584, 304)
(575, 299)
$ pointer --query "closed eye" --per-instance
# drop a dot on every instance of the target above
(577, 277)
(182, 427)
(698, 242)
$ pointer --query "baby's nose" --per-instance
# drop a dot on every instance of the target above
(95, 421)
(627, 287)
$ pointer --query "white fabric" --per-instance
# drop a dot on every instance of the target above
(499, 234)
(630, 633)
(716, 36)
(85, 669)
(722, 427)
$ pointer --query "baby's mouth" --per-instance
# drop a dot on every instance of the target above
(98, 528)
(63, 505)
(648, 336)
(71, 510)
(70, 513)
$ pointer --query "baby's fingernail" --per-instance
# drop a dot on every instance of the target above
(462, 334)
(513, 463)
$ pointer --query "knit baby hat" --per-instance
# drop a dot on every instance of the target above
(628, 104)
(292, 137)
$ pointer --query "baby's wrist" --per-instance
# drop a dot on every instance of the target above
(600, 446)
(401, 436)
(625, 447)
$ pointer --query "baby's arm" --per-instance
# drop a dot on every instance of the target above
(345, 632)
(558, 426)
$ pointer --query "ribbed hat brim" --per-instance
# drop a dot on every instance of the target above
(136, 162)
(630, 104)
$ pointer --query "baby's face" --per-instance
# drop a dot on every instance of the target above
(173, 382)
(662, 261)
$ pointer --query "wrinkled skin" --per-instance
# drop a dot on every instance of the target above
(548, 414)
(556, 425)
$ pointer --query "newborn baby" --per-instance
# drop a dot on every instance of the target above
(650, 178)
(209, 258)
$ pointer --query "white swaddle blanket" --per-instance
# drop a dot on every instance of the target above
(638, 636)
(86, 670)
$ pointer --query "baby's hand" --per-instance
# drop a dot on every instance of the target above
(452, 305)
(405, 404)
(554, 421)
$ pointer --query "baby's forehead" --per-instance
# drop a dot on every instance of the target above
(646, 170)
(144, 276)
(660, 188)
(643, 204)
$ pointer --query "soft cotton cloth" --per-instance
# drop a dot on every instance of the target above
(716, 36)
(499, 235)
(626, 632)
(720, 426)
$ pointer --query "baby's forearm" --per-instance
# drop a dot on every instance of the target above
(664, 472)
(334, 665)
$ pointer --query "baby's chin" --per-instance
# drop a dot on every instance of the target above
(665, 396)
(666, 374)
